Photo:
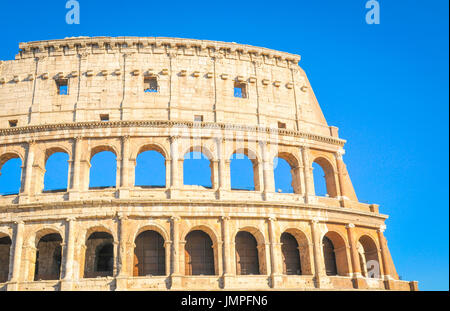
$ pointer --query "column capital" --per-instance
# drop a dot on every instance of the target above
(340, 153)
(78, 138)
(173, 138)
(382, 228)
(122, 216)
(315, 220)
(31, 142)
(272, 218)
(349, 226)
(19, 222)
(70, 219)
(223, 218)
(175, 218)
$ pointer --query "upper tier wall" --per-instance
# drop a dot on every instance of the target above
(195, 78)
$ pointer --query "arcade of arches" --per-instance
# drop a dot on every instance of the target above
(203, 253)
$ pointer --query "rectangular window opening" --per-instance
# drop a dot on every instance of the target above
(240, 90)
(281, 125)
(63, 86)
(150, 85)
(104, 117)
(13, 123)
(198, 118)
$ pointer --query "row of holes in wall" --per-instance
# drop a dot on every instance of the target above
(150, 86)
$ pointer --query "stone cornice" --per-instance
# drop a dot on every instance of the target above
(322, 210)
(157, 45)
(167, 124)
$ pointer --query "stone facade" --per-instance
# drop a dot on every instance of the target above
(85, 239)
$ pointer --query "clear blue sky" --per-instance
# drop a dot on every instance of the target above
(385, 86)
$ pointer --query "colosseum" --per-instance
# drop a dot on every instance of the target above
(177, 97)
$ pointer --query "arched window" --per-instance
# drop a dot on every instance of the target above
(48, 258)
(291, 255)
(56, 172)
(149, 254)
(5, 247)
(99, 257)
(197, 170)
(368, 252)
(320, 186)
(150, 169)
(329, 256)
(283, 175)
(105, 255)
(199, 254)
(246, 254)
(10, 174)
(103, 170)
(242, 173)
(324, 179)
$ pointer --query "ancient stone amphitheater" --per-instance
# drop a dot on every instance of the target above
(82, 96)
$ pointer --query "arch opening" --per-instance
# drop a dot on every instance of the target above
(99, 256)
(368, 257)
(56, 172)
(5, 249)
(150, 171)
(103, 171)
(291, 255)
(197, 170)
(284, 179)
(149, 254)
(335, 255)
(199, 254)
(329, 257)
(324, 179)
(48, 257)
(247, 259)
(10, 174)
(244, 173)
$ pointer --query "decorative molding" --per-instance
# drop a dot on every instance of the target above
(32, 129)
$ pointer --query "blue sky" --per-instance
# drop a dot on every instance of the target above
(385, 86)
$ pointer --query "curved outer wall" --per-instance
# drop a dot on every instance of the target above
(280, 116)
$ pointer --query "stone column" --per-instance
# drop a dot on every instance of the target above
(174, 167)
(168, 164)
(121, 273)
(358, 282)
(17, 259)
(224, 180)
(27, 178)
(296, 173)
(307, 172)
(214, 166)
(226, 250)
(319, 266)
(70, 248)
(66, 283)
(217, 249)
(274, 254)
(75, 168)
(125, 182)
(175, 277)
(388, 279)
(122, 260)
(167, 248)
(267, 167)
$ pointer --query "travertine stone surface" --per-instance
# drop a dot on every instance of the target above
(280, 117)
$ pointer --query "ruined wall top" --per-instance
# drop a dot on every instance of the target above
(194, 80)
(157, 44)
